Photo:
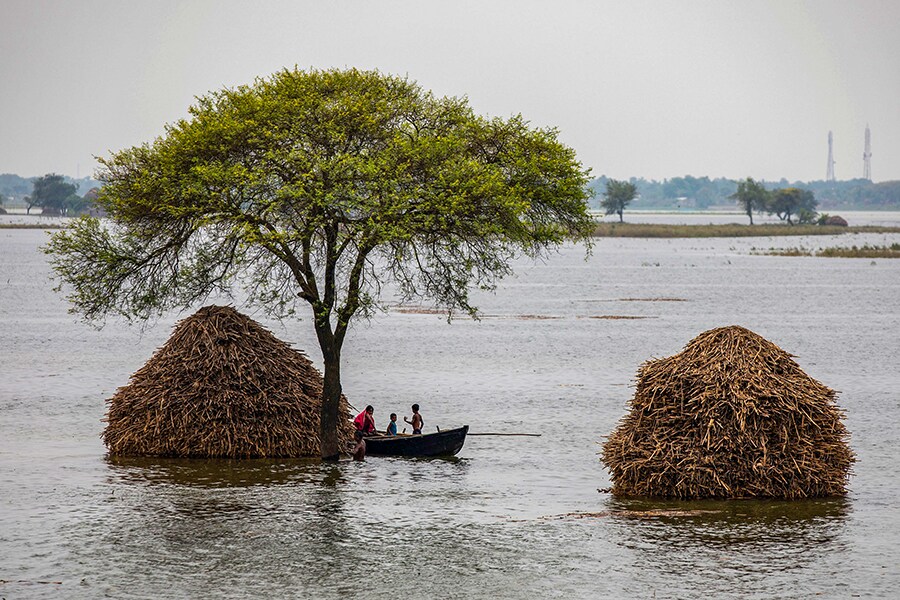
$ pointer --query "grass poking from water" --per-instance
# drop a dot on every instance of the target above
(865, 251)
(31, 226)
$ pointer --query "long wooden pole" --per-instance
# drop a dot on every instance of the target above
(522, 434)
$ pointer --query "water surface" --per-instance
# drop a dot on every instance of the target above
(497, 521)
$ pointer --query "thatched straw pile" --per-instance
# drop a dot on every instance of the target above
(221, 386)
(731, 416)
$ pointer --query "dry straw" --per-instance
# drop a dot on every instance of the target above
(221, 386)
(731, 416)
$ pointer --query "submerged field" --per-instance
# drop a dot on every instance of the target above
(555, 353)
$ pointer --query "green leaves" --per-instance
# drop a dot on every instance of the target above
(52, 193)
(786, 202)
(320, 187)
(751, 196)
(619, 195)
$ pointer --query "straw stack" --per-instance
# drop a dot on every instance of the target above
(731, 416)
(221, 386)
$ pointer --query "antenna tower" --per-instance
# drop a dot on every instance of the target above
(867, 156)
(829, 176)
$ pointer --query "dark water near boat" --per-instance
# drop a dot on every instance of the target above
(497, 521)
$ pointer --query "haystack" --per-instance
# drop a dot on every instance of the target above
(221, 386)
(731, 416)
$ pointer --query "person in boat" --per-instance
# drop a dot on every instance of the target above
(359, 451)
(417, 421)
(365, 421)
(392, 426)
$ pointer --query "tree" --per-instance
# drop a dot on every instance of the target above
(751, 196)
(50, 193)
(76, 205)
(786, 202)
(316, 188)
(619, 194)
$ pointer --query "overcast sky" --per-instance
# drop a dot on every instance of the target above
(653, 89)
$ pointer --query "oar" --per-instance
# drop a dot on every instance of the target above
(522, 434)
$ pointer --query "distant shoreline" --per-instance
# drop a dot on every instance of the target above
(629, 229)
(657, 230)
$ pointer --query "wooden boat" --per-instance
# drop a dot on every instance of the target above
(440, 443)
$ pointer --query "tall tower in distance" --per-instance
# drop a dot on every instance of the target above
(829, 175)
(867, 156)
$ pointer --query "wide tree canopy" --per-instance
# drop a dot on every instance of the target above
(787, 202)
(51, 192)
(316, 188)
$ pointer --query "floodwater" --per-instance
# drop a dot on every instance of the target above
(510, 517)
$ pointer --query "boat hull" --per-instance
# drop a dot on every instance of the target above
(440, 443)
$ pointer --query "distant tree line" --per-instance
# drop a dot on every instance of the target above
(686, 192)
(14, 187)
(857, 193)
(788, 203)
(703, 193)
(53, 194)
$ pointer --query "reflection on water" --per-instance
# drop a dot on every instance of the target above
(348, 526)
(324, 525)
(214, 472)
(332, 478)
(746, 546)
(219, 524)
(744, 526)
(738, 523)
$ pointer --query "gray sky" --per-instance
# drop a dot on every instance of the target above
(640, 88)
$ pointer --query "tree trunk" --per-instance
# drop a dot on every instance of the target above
(331, 399)
(621, 218)
(750, 214)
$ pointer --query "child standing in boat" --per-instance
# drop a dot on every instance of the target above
(417, 421)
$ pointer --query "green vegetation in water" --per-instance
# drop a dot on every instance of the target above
(866, 251)
(32, 226)
(655, 230)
